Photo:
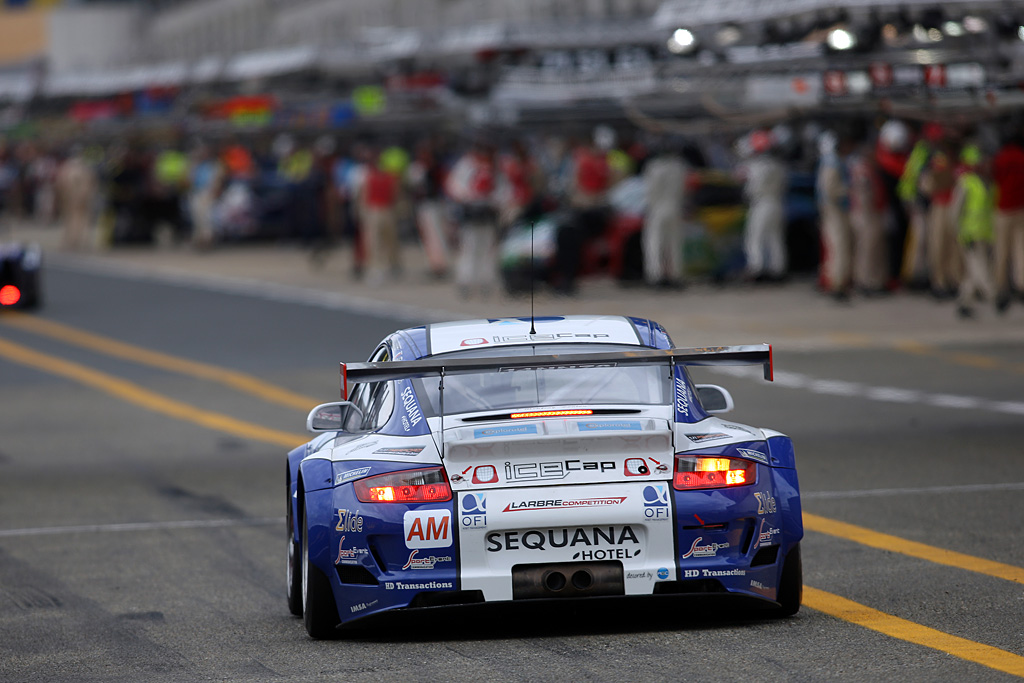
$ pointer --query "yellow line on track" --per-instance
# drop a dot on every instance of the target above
(904, 546)
(133, 393)
(895, 627)
(971, 360)
(118, 349)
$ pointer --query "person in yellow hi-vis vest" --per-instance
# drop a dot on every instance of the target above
(972, 206)
(915, 271)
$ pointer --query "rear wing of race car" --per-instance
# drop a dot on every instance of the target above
(755, 354)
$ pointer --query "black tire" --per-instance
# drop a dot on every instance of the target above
(319, 611)
(791, 585)
(294, 571)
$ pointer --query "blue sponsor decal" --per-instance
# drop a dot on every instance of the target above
(663, 573)
(606, 426)
(753, 454)
(351, 474)
(504, 431)
(474, 511)
(656, 501)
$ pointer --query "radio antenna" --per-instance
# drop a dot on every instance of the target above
(533, 226)
(440, 400)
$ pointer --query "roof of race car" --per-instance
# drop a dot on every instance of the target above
(437, 338)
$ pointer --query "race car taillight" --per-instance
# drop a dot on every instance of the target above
(9, 295)
(706, 472)
(409, 486)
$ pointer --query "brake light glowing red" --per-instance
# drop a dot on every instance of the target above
(9, 295)
(408, 486)
(705, 472)
(485, 474)
(552, 413)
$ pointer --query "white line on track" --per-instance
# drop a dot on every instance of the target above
(344, 302)
(142, 526)
(868, 493)
(795, 380)
(270, 521)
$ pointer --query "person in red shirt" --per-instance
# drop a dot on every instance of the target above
(589, 180)
(378, 201)
(475, 183)
(1008, 176)
(521, 174)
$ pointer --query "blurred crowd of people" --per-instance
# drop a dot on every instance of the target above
(937, 208)
(897, 206)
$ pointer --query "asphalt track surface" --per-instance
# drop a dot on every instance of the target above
(143, 427)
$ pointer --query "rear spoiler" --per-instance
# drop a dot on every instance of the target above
(437, 367)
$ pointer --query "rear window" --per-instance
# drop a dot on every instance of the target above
(527, 388)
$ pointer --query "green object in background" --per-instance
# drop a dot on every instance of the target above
(620, 162)
(171, 168)
(369, 100)
(394, 160)
(247, 119)
(297, 166)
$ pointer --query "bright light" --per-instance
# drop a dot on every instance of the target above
(682, 41)
(926, 35)
(953, 29)
(703, 472)
(840, 39)
(552, 413)
(9, 295)
(733, 477)
(382, 493)
(712, 464)
(409, 486)
(728, 35)
(975, 24)
(1020, 32)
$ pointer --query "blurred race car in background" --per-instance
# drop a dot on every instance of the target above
(20, 275)
(713, 244)
(516, 459)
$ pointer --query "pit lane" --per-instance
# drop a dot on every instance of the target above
(137, 544)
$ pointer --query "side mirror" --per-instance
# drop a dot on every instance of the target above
(714, 398)
(328, 417)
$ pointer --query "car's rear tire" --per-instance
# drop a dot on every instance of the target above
(319, 611)
(294, 571)
(791, 585)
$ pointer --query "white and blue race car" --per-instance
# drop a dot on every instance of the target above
(519, 459)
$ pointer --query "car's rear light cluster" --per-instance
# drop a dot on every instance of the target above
(408, 486)
(552, 413)
(708, 472)
(9, 295)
